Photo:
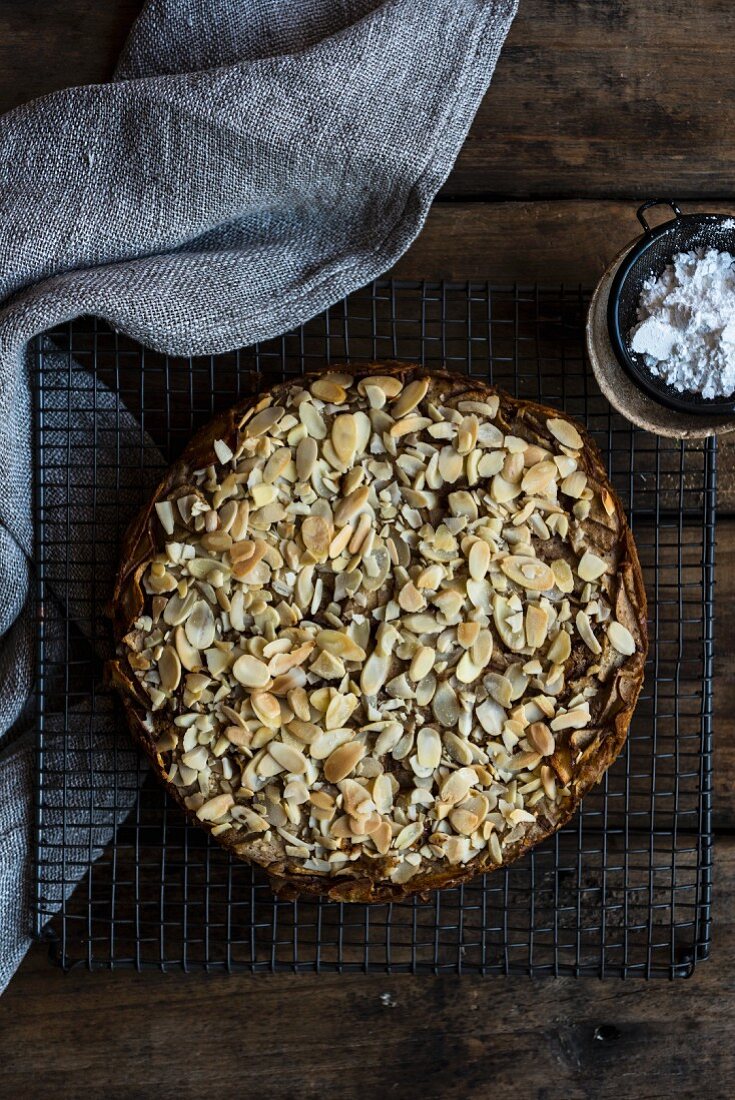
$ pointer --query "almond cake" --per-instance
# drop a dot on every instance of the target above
(380, 629)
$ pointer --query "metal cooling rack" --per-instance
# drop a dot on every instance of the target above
(623, 890)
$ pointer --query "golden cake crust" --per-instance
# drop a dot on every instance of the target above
(580, 756)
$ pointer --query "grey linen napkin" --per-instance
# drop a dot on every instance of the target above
(252, 162)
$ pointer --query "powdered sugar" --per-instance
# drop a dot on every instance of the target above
(686, 329)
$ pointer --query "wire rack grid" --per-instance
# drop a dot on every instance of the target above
(623, 890)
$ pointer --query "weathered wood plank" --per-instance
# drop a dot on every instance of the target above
(167, 1036)
(50, 44)
(589, 99)
(595, 99)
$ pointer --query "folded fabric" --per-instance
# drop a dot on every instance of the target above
(252, 162)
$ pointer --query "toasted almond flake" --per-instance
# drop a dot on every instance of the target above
(467, 634)
(316, 535)
(457, 785)
(411, 396)
(348, 508)
(429, 748)
(478, 560)
(537, 621)
(306, 456)
(340, 644)
(325, 389)
(200, 626)
(250, 672)
(342, 761)
(591, 567)
(467, 671)
(539, 478)
(540, 738)
(374, 674)
(422, 663)
(408, 835)
(571, 719)
(169, 669)
(215, 808)
(451, 464)
(223, 451)
(165, 512)
(290, 759)
(565, 432)
(344, 437)
(530, 573)
(267, 709)
(560, 649)
(563, 576)
(621, 638)
(263, 421)
(586, 633)
(575, 484)
(389, 384)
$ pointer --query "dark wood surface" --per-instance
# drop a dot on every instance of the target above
(594, 105)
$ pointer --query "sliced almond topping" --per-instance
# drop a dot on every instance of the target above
(343, 760)
(331, 631)
(479, 559)
(316, 535)
(325, 389)
(169, 669)
(348, 508)
(263, 421)
(422, 663)
(429, 748)
(586, 633)
(565, 432)
(340, 644)
(344, 437)
(621, 638)
(165, 512)
(537, 621)
(528, 572)
(560, 649)
(540, 738)
(289, 758)
(215, 808)
(591, 567)
(412, 395)
(250, 672)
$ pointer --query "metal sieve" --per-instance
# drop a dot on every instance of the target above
(648, 257)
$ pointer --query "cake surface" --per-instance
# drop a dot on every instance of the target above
(380, 631)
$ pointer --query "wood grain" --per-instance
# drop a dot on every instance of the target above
(589, 99)
(608, 100)
(50, 44)
(168, 1036)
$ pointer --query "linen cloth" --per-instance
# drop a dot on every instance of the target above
(252, 162)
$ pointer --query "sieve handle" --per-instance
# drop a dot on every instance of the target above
(640, 212)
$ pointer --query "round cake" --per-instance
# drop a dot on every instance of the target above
(380, 631)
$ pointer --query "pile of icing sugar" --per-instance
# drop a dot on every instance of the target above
(686, 329)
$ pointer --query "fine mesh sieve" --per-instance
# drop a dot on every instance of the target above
(648, 257)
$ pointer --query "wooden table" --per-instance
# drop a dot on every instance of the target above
(594, 106)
